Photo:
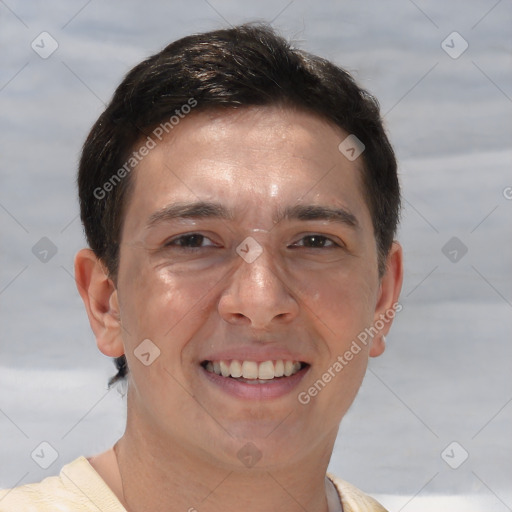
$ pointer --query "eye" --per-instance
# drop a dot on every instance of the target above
(315, 242)
(191, 241)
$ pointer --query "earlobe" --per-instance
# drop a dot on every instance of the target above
(387, 302)
(378, 345)
(100, 298)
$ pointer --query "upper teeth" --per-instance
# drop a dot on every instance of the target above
(252, 370)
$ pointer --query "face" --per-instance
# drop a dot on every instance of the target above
(247, 249)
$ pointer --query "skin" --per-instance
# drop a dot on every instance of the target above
(312, 296)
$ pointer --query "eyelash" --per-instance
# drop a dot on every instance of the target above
(321, 237)
(176, 241)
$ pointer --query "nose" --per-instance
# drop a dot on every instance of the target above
(257, 295)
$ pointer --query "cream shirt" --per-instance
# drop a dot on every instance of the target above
(79, 488)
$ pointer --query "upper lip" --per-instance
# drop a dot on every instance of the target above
(254, 353)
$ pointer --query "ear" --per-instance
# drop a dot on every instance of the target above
(99, 294)
(387, 301)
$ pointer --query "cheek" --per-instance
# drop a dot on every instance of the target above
(163, 306)
(342, 299)
(166, 309)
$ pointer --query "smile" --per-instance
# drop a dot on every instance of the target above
(253, 380)
(253, 372)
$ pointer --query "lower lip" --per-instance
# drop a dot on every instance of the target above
(275, 388)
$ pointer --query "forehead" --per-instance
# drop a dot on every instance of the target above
(259, 157)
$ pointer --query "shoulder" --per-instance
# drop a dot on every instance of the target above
(77, 488)
(354, 500)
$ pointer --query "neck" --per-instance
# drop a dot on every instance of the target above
(158, 475)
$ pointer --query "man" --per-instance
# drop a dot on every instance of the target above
(240, 200)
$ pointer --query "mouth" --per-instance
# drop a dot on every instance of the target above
(252, 372)
(253, 379)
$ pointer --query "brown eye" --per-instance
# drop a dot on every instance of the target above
(193, 240)
(317, 242)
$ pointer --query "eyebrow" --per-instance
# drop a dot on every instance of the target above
(196, 210)
(328, 213)
(210, 210)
